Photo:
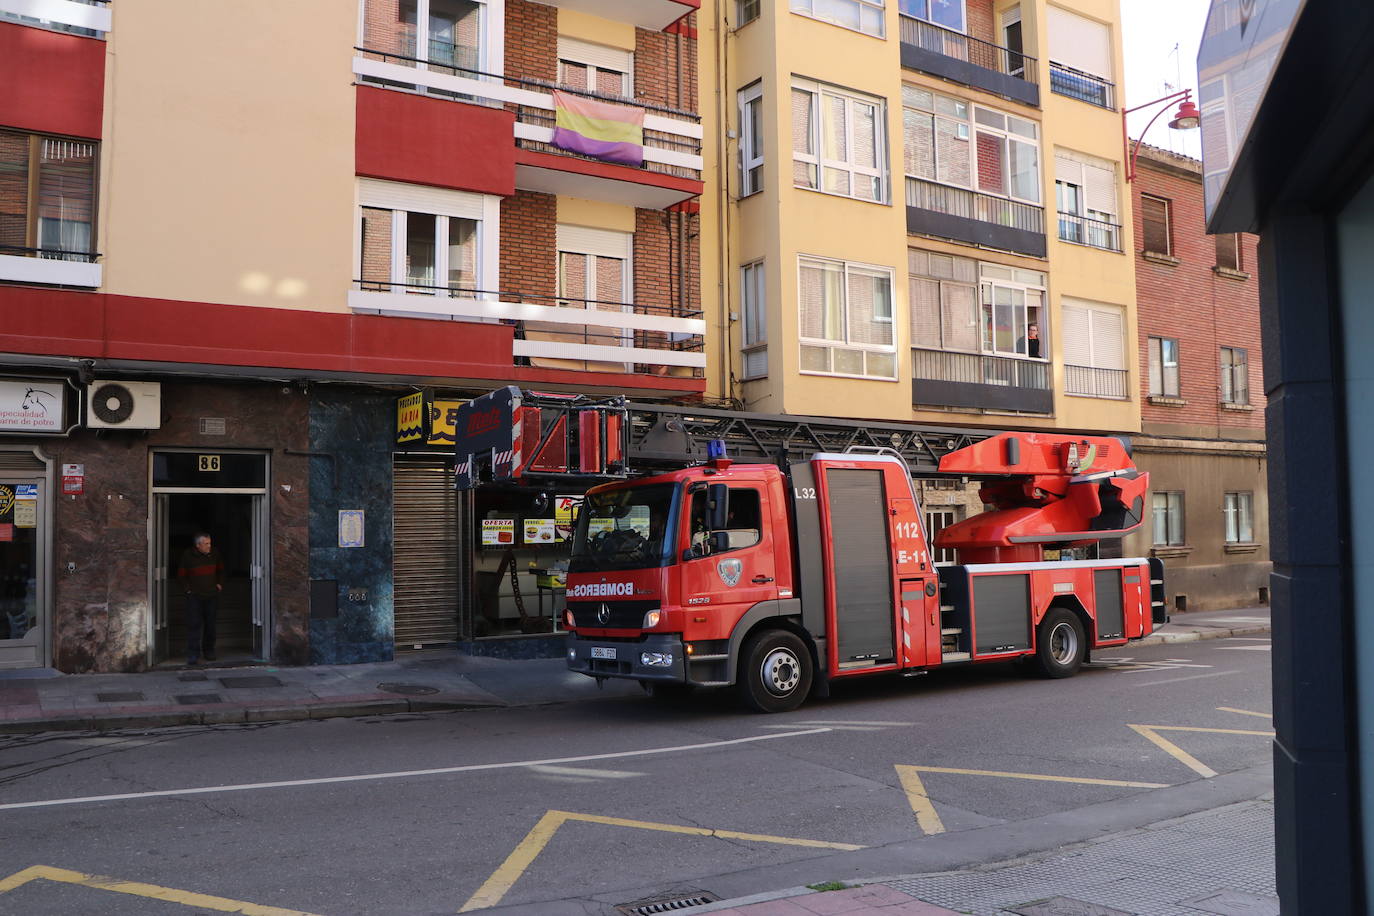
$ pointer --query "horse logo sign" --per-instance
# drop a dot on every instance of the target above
(32, 406)
(730, 571)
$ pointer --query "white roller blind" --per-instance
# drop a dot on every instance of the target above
(601, 56)
(1106, 337)
(1079, 43)
(606, 243)
(1077, 336)
(1100, 184)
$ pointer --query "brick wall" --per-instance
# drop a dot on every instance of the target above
(531, 40)
(376, 264)
(1190, 301)
(528, 240)
(980, 21)
(657, 57)
(384, 31)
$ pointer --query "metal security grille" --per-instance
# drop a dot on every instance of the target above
(21, 461)
(425, 558)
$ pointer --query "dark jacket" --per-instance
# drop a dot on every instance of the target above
(200, 573)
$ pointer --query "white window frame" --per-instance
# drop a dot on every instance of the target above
(1160, 366)
(1172, 511)
(1238, 511)
(987, 282)
(846, 267)
(597, 59)
(1071, 169)
(491, 30)
(870, 10)
(1115, 361)
(963, 16)
(403, 199)
(746, 11)
(1231, 371)
(817, 161)
(969, 128)
(751, 135)
(754, 318)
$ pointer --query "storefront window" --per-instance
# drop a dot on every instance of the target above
(624, 529)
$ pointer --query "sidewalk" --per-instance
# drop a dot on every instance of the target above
(415, 682)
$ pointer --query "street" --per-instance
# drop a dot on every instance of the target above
(585, 806)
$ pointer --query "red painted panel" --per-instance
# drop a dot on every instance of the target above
(53, 82)
(404, 137)
(606, 170)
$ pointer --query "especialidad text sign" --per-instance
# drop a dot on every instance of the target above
(32, 406)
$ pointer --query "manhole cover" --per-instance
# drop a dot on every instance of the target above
(666, 904)
(1234, 903)
(126, 696)
(1065, 906)
(253, 681)
(410, 690)
(191, 699)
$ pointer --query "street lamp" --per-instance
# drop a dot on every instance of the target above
(1186, 118)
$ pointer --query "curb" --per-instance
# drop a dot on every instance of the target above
(1160, 639)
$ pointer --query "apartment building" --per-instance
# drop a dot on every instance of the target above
(924, 215)
(250, 258)
(1202, 425)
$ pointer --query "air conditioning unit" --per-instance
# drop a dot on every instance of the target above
(123, 405)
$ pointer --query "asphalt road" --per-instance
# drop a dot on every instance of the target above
(577, 807)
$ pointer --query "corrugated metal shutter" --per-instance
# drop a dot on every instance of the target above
(425, 559)
(21, 461)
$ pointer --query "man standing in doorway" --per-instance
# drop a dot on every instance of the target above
(202, 575)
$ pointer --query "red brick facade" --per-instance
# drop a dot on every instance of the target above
(529, 243)
(1186, 297)
(531, 41)
(666, 68)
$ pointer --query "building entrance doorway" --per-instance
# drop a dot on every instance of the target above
(235, 518)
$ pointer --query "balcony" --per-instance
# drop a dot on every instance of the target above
(970, 216)
(90, 18)
(672, 167)
(1092, 382)
(1082, 86)
(944, 379)
(558, 333)
(654, 15)
(1095, 233)
(49, 266)
(971, 61)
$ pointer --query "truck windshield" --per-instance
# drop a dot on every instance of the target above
(624, 529)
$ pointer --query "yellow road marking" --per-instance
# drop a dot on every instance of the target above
(503, 879)
(138, 889)
(1151, 733)
(1245, 712)
(929, 821)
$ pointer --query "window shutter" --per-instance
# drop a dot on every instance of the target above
(1154, 218)
(809, 298)
(959, 315)
(1228, 251)
(603, 57)
(1076, 336)
(1100, 186)
(1106, 339)
(1156, 366)
(925, 312)
(1079, 43)
(1067, 170)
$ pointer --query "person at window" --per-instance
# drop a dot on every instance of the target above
(1030, 344)
(202, 576)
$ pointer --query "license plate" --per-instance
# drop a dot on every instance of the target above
(603, 652)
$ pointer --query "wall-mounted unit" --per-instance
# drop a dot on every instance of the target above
(123, 405)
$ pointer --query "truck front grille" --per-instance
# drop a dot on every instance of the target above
(620, 615)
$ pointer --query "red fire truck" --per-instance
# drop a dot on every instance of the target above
(692, 567)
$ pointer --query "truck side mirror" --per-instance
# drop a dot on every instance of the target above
(717, 506)
(720, 541)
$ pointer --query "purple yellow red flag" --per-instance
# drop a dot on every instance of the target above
(602, 130)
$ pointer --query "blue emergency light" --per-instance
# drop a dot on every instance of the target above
(715, 449)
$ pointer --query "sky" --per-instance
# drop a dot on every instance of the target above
(1160, 41)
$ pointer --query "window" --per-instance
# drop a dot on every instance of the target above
(1013, 41)
(1012, 311)
(947, 14)
(1085, 193)
(1155, 229)
(839, 143)
(949, 141)
(751, 140)
(1094, 355)
(1228, 251)
(746, 11)
(938, 520)
(743, 526)
(1080, 57)
(860, 15)
(1239, 511)
(594, 68)
(1163, 367)
(846, 319)
(427, 241)
(444, 32)
(594, 267)
(1235, 376)
(752, 305)
(963, 305)
(1167, 518)
(47, 196)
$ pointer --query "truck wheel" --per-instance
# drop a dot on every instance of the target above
(775, 672)
(1059, 643)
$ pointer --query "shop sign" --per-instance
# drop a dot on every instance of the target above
(498, 532)
(443, 422)
(6, 500)
(564, 515)
(7, 532)
(26, 514)
(410, 418)
(33, 406)
(351, 527)
(540, 531)
(73, 479)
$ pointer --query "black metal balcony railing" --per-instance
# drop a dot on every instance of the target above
(971, 50)
(50, 254)
(941, 198)
(571, 333)
(545, 117)
(1097, 383)
(1082, 86)
(980, 369)
(1083, 230)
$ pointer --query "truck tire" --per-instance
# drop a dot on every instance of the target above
(1060, 645)
(775, 672)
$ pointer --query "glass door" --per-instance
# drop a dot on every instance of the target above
(23, 580)
(262, 557)
(161, 568)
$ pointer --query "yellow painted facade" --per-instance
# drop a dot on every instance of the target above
(196, 208)
(781, 222)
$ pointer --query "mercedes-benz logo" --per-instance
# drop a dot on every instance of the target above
(603, 614)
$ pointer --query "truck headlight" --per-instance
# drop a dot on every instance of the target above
(651, 619)
(568, 620)
(656, 659)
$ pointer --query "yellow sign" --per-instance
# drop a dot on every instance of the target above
(443, 422)
(26, 514)
(410, 414)
(208, 462)
(6, 500)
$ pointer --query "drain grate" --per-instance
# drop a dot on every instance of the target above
(255, 681)
(666, 904)
(124, 696)
(410, 690)
(1065, 906)
(193, 699)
